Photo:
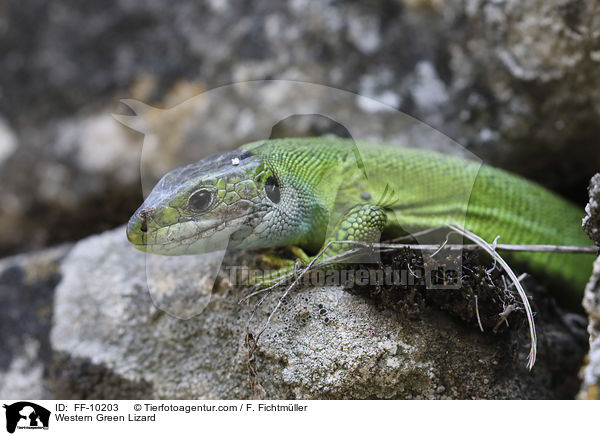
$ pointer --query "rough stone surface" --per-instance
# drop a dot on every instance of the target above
(515, 82)
(590, 373)
(590, 388)
(321, 343)
(27, 285)
(519, 64)
(591, 221)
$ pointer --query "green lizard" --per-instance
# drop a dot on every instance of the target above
(305, 192)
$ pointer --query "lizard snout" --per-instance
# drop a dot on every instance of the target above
(137, 227)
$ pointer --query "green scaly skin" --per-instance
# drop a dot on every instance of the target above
(306, 191)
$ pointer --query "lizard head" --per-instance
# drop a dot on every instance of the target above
(234, 199)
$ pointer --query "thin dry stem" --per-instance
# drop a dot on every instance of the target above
(490, 250)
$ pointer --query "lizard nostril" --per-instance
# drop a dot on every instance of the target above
(144, 215)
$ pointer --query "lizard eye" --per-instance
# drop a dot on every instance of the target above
(200, 200)
(272, 189)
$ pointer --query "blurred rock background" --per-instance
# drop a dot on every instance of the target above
(517, 83)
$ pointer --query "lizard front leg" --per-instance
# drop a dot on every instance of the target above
(363, 222)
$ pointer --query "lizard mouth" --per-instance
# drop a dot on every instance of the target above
(188, 237)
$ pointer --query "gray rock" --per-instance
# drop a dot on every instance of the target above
(591, 221)
(27, 285)
(590, 373)
(590, 388)
(322, 342)
(8, 141)
(527, 58)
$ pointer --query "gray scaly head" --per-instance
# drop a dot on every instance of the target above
(236, 199)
